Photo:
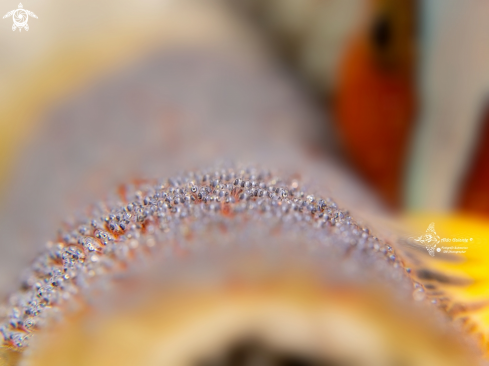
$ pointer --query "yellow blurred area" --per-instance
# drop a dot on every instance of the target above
(473, 265)
(294, 314)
